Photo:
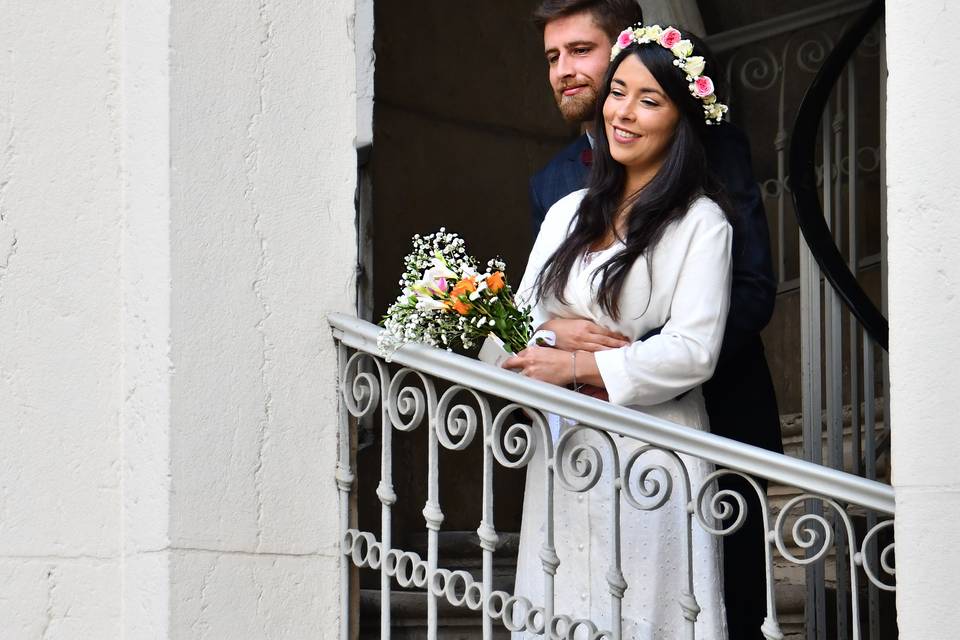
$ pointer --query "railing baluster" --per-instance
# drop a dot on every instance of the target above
(853, 257)
(780, 144)
(688, 600)
(870, 464)
(548, 553)
(432, 513)
(387, 498)
(810, 366)
(345, 479)
(486, 531)
(615, 580)
(822, 289)
(835, 373)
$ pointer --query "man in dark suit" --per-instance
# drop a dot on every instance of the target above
(740, 397)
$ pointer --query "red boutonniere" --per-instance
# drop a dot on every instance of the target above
(586, 157)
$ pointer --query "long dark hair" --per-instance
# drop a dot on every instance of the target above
(683, 177)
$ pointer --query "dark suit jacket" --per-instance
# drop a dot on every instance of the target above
(740, 397)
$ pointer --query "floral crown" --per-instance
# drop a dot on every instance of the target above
(701, 86)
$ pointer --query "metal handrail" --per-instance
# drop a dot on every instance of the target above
(807, 206)
(778, 468)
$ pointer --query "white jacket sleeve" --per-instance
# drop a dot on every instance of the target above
(685, 352)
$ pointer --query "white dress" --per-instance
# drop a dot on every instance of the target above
(688, 296)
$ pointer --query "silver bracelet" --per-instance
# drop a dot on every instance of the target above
(576, 387)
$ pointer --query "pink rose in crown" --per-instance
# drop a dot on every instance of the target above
(670, 37)
(625, 38)
(703, 86)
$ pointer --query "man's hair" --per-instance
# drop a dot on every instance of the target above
(613, 16)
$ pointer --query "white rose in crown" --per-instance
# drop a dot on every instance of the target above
(694, 66)
(683, 49)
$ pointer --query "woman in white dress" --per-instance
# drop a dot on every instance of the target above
(646, 246)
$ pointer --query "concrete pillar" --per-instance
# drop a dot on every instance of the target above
(924, 281)
(176, 220)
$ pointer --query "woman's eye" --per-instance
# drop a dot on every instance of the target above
(650, 103)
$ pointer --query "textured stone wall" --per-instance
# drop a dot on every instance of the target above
(60, 330)
(924, 266)
(176, 220)
(263, 120)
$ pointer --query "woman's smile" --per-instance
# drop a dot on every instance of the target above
(625, 137)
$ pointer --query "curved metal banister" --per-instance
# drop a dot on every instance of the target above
(804, 181)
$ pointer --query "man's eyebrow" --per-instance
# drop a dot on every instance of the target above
(571, 45)
(580, 43)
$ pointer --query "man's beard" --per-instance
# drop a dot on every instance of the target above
(577, 108)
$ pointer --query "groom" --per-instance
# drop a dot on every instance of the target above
(740, 400)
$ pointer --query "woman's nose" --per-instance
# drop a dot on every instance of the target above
(625, 111)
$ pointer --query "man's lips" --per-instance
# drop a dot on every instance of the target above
(572, 91)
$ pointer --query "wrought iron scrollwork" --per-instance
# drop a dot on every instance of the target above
(361, 389)
(407, 405)
(579, 466)
(457, 423)
(885, 558)
(514, 442)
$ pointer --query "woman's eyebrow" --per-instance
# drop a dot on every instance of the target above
(623, 84)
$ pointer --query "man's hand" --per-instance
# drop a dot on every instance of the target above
(576, 334)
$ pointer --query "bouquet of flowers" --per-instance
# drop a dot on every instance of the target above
(447, 302)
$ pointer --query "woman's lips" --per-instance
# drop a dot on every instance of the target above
(624, 137)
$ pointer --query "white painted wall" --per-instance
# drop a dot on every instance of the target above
(263, 113)
(176, 220)
(363, 30)
(60, 330)
(924, 302)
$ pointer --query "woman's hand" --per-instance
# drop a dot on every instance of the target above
(543, 363)
(577, 334)
(556, 366)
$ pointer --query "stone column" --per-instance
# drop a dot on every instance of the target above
(924, 302)
(176, 220)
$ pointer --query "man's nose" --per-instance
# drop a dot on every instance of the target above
(565, 67)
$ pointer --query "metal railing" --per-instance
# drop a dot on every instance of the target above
(821, 226)
(458, 400)
(827, 170)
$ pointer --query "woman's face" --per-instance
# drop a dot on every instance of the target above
(639, 118)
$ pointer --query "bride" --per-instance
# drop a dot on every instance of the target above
(646, 246)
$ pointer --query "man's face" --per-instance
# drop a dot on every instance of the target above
(578, 53)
